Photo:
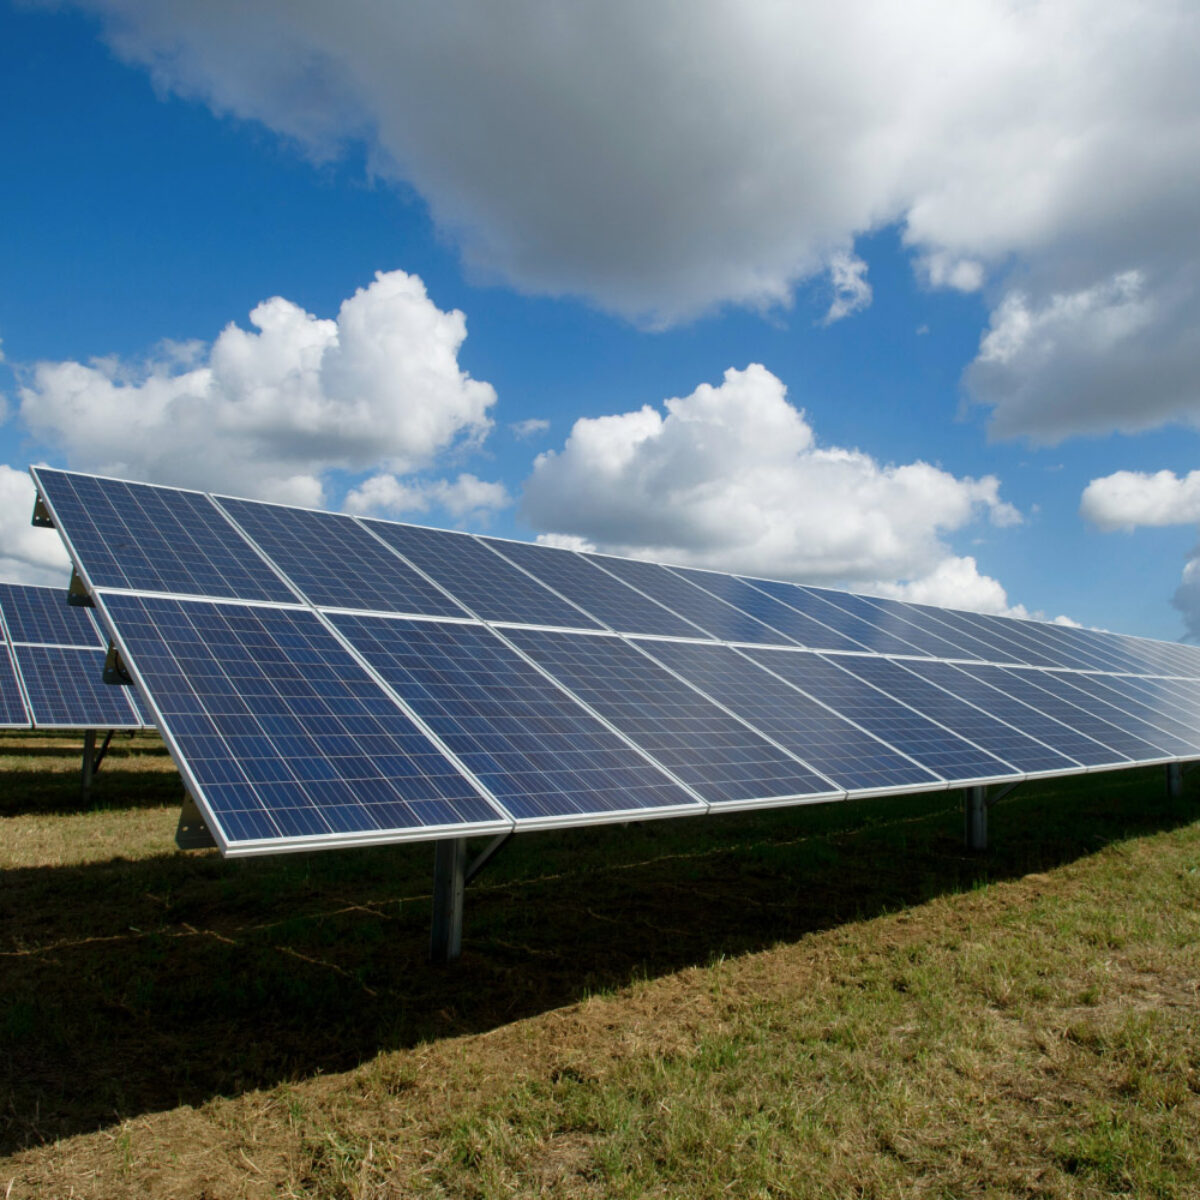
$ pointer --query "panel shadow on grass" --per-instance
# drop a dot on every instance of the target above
(135, 986)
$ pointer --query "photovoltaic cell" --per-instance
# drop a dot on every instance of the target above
(711, 751)
(795, 625)
(1032, 721)
(1161, 695)
(595, 591)
(852, 758)
(967, 721)
(1088, 692)
(12, 706)
(285, 736)
(1023, 684)
(895, 621)
(66, 688)
(538, 751)
(42, 615)
(714, 616)
(1002, 649)
(488, 585)
(806, 600)
(335, 562)
(155, 539)
(1030, 647)
(942, 752)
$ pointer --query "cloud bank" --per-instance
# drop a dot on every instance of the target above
(269, 411)
(1126, 500)
(661, 160)
(27, 554)
(732, 477)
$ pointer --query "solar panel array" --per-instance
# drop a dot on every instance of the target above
(52, 665)
(329, 680)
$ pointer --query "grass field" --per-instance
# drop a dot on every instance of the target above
(810, 1002)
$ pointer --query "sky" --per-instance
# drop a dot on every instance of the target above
(898, 298)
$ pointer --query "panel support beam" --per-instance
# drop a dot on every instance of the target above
(92, 759)
(449, 884)
(975, 818)
(1174, 780)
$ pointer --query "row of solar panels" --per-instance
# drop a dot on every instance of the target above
(303, 709)
(51, 666)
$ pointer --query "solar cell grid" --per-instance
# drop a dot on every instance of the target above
(1144, 696)
(1023, 684)
(42, 615)
(285, 735)
(1002, 649)
(595, 591)
(489, 586)
(713, 615)
(795, 625)
(154, 539)
(536, 749)
(711, 751)
(985, 730)
(1034, 649)
(901, 617)
(942, 752)
(806, 600)
(1006, 707)
(849, 756)
(894, 623)
(335, 562)
(12, 706)
(66, 689)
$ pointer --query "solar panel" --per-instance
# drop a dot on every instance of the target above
(849, 756)
(770, 611)
(487, 584)
(941, 751)
(154, 539)
(992, 734)
(714, 753)
(1023, 684)
(1020, 715)
(335, 562)
(66, 689)
(286, 739)
(13, 713)
(537, 750)
(42, 615)
(1002, 649)
(595, 591)
(1144, 697)
(714, 616)
(896, 621)
(809, 602)
(1032, 649)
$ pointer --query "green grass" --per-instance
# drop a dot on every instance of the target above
(835, 1000)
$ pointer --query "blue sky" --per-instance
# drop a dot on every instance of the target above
(620, 224)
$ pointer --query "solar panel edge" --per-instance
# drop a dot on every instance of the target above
(9, 659)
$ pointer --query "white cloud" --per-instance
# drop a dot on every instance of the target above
(28, 554)
(1187, 596)
(566, 541)
(1127, 499)
(267, 411)
(527, 428)
(467, 497)
(732, 477)
(953, 583)
(851, 291)
(661, 160)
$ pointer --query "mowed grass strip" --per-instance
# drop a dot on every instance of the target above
(827, 1001)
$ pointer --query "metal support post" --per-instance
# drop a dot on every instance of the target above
(89, 761)
(975, 818)
(1174, 780)
(449, 883)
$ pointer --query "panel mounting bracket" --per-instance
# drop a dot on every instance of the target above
(114, 669)
(77, 593)
(41, 515)
(191, 833)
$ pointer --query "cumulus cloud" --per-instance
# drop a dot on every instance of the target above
(530, 427)
(1127, 499)
(28, 554)
(465, 497)
(267, 411)
(851, 291)
(661, 160)
(732, 477)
